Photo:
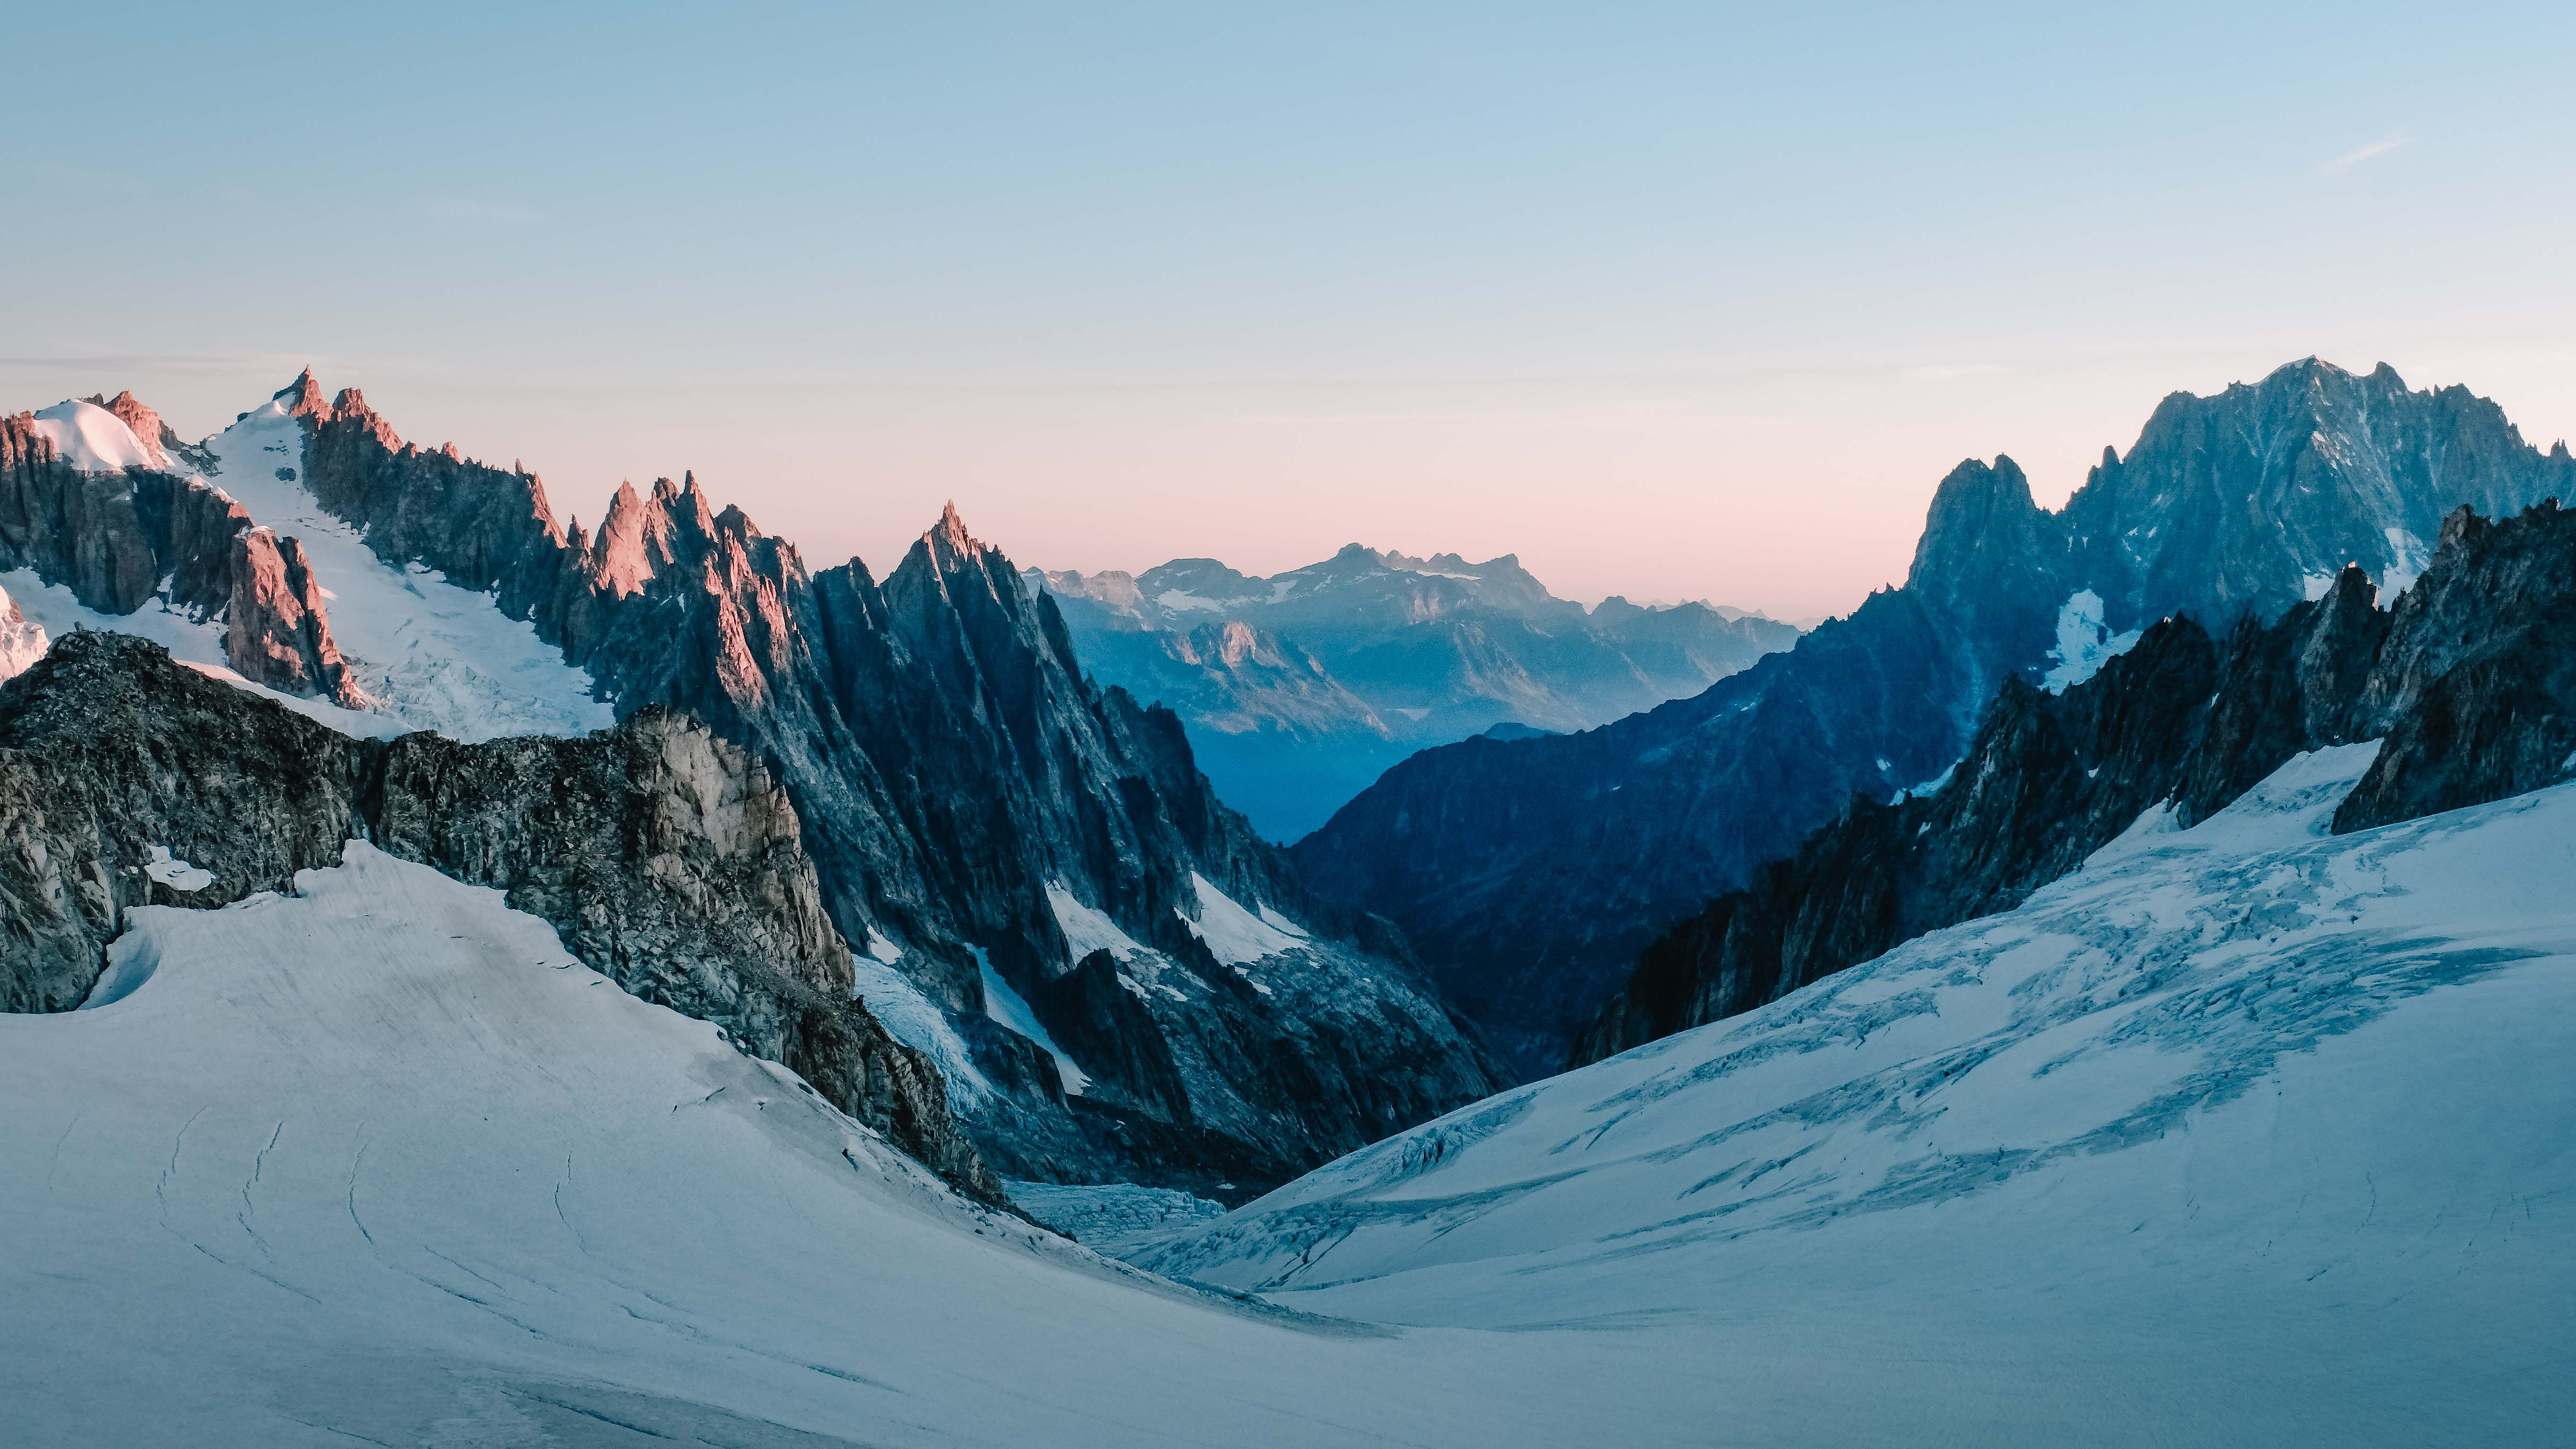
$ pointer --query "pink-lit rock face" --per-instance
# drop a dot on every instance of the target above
(278, 633)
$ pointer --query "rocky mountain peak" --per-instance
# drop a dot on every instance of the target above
(2246, 503)
(303, 398)
(350, 408)
(949, 536)
(2466, 682)
(153, 434)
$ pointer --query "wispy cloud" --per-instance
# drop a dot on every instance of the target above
(480, 209)
(2359, 154)
(1939, 372)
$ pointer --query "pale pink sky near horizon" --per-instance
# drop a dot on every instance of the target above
(1793, 491)
(1672, 300)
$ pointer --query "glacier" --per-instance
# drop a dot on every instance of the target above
(2241, 1134)
(381, 1162)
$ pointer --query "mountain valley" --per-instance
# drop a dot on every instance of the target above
(470, 978)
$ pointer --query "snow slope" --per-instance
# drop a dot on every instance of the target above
(2242, 1134)
(22, 640)
(379, 1162)
(197, 643)
(1234, 935)
(433, 655)
(92, 439)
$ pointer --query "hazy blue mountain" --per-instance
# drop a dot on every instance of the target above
(1300, 689)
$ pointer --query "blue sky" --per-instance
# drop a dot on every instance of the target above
(1671, 300)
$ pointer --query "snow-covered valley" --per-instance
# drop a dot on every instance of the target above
(2243, 1134)
(380, 1162)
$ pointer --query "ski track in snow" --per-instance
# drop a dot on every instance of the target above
(501, 1205)
(2244, 1134)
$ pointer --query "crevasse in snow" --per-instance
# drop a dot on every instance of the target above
(2256, 1127)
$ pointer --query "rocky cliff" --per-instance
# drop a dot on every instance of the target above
(665, 858)
(959, 786)
(1530, 873)
(2470, 678)
(117, 538)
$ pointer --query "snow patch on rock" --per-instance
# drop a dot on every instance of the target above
(1232, 934)
(2084, 642)
(910, 1018)
(173, 872)
(1086, 930)
(1010, 1009)
(22, 640)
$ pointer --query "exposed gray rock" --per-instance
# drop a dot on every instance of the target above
(1530, 873)
(948, 762)
(2471, 678)
(666, 858)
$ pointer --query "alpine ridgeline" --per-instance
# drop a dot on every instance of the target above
(1115, 978)
(1299, 689)
(2469, 682)
(1530, 873)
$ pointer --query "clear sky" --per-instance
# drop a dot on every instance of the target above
(1686, 300)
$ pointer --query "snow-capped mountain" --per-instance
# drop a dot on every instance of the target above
(2246, 1132)
(1529, 873)
(1301, 688)
(396, 1086)
(2468, 679)
(952, 773)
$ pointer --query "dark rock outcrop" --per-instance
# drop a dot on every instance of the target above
(2471, 679)
(1529, 873)
(108, 751)
(2475, 688)
(665, 858)
(950, 764)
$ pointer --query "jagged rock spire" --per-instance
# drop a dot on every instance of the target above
(303, 398)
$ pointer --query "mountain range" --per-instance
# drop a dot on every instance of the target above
(1530, 873)
(468, 979)
(2463, 688)
(1107, 972)
(1299, 689)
